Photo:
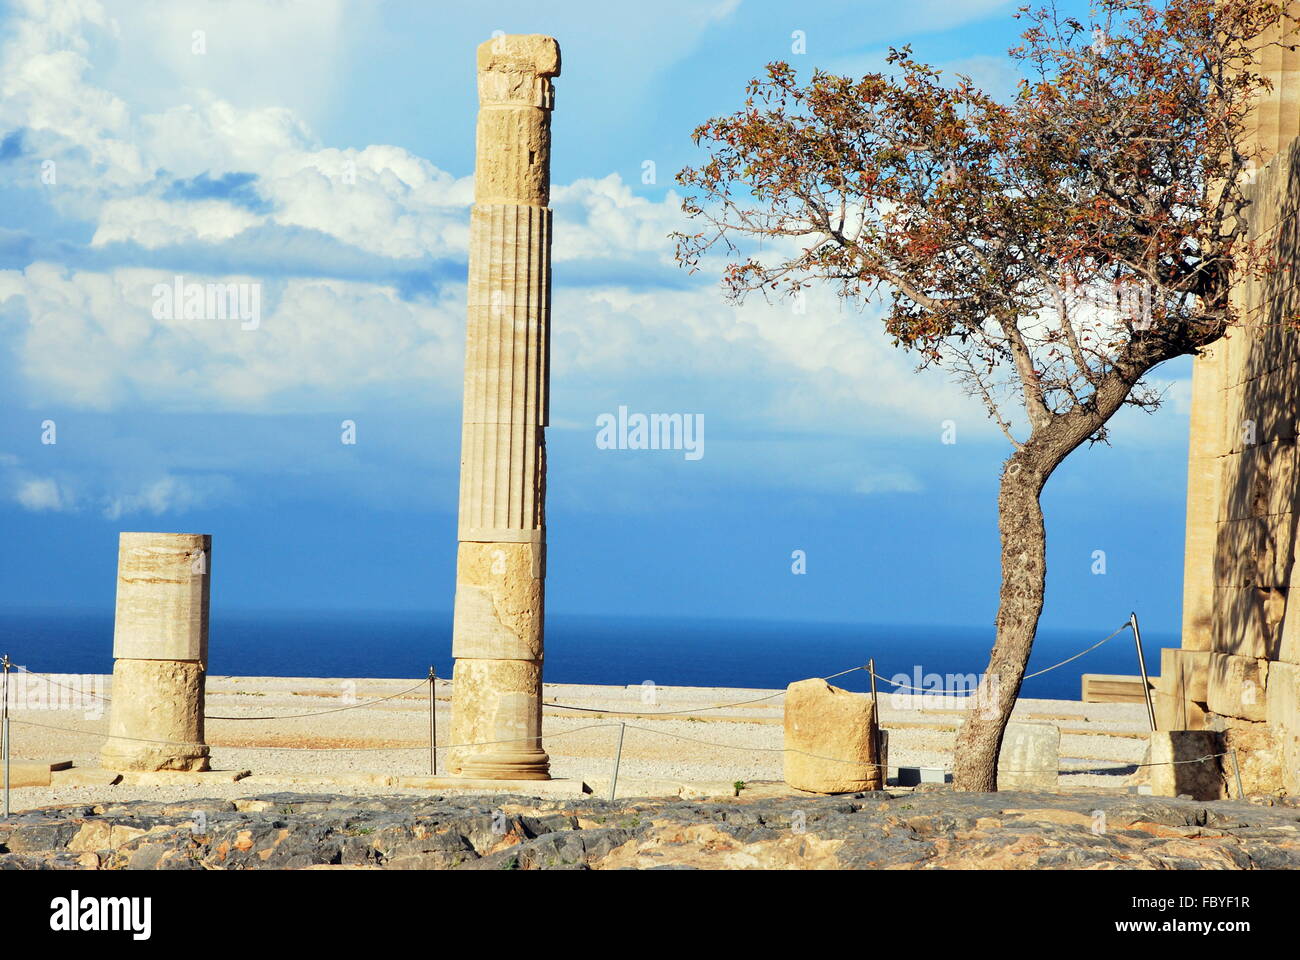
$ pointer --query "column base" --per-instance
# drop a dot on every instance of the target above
(497, 721)
(506, 766)
(123, 755)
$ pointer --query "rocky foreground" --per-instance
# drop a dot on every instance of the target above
(928, 830)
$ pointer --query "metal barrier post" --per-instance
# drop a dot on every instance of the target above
(1142, 666)
(618, 756)
(880, 754)
(1241, 793)
(4, 728)
(433, 723)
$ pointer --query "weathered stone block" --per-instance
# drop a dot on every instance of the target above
(1282, 699)
(1248, 621)
(1290, 764)
(1178, 713)
(1030, 757)
(156, 721)
(1237, 686)
(1234, 432)
(830, 739)
(1115, 688)
(1184, 673)
(1207, 403)
(1260, 480)
(1255, 551)
(1288, 644)
(499, 601)
(1253, 751)
(1179, 764)
(162, 596)
(24, 773)
(1203, 474)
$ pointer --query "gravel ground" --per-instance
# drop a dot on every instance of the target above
(740, 742)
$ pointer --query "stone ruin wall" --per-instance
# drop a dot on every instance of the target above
(1238, 670)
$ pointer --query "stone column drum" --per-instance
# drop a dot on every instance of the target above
(160, 642)
(501, 560)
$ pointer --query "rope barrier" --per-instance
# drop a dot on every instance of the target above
(608, 710)
(423, 746)
(1038, 673)
(1079, 654)
(670, 713)
(321, 713)
(565, 733)
(291, 716)
(61, 686)
(862, 763)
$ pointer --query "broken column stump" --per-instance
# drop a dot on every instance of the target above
(830, 739)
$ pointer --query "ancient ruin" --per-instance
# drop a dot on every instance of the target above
(160, 646)
(1238, 669)
(501, 561)
(1030, 758)
(831, 741)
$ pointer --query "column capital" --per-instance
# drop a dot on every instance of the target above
(515, 70)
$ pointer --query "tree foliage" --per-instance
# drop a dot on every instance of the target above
(1045, 248)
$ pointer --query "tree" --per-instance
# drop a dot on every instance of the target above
(1049, 252)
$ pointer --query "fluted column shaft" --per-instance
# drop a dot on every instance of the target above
(501, 558)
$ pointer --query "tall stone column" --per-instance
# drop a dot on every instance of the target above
(160, 642)
(501, 560)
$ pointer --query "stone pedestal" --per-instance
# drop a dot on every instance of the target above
(160, 646)
(1030, 758)
(501, 560)
(830, 739)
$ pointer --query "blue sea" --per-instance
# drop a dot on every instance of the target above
(585, 649)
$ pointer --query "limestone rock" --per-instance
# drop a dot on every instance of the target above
(1237, 686)
(878, 831)
(1283, 715)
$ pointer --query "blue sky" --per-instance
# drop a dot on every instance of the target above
(225, 166)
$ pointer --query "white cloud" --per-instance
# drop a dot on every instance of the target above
(889, 482)
(253, 50)
(115, 494)
(42, 494)
(599, 219)
(92, 341)
(154, 223)
(166, 494)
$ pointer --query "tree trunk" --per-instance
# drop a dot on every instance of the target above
(1020, 602)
